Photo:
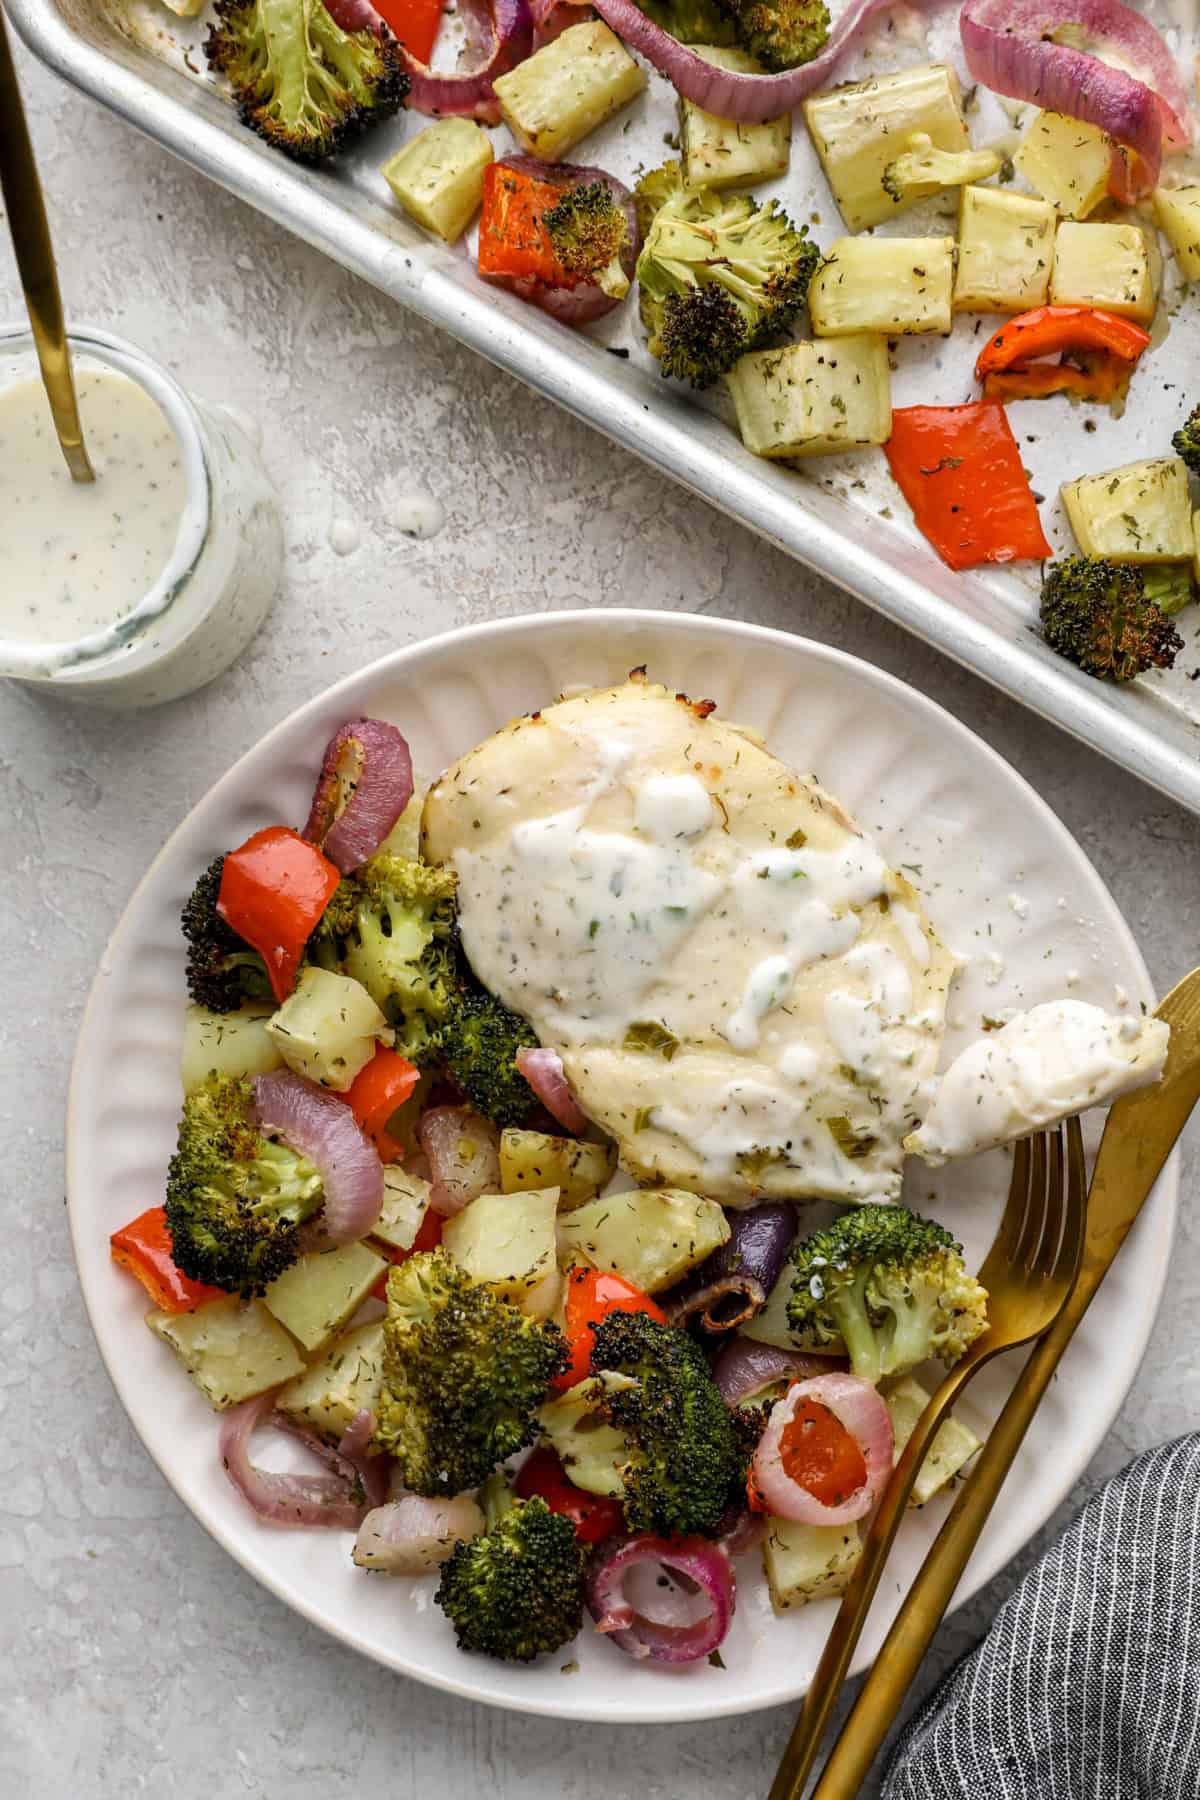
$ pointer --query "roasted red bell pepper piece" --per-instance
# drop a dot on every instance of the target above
(144, 1247)
(273, 891)
(414, 23)
(376, 1092)
(594, 1516)
(960, 470)
(429, 1236)
(1060, 330)
(512, 239)
(1101, 377)
(591, 1294)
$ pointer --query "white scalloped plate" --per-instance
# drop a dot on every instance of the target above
(1003, 880)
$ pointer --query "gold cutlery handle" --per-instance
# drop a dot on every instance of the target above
(847, 1627)
(884, 1688)
(30, 231)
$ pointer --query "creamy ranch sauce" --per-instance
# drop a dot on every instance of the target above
(1044, 1065)
(718, 998)
(75, 557)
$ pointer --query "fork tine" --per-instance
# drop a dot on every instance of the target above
(1054, 1209)
(1017, 1204)
(1033, 1228)
(1075, 1222)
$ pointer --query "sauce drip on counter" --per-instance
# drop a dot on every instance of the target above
(77, 557)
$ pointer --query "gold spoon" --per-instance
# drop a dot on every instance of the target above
(35, 264)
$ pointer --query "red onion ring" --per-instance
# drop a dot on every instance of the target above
(697, 1560)
(468, 93)
(749, 99)
(860, 1410)
(543, 1070)
(322, 1127)
(413, 1535)
(1007, 49)
(339, 1498)
(732, 1284)
(742, 1531)
(745, 1368)
(464, 1156)
(355, 1447)
(586, 300)
(382, 788)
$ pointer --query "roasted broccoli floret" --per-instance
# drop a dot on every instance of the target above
(390, 925)
(463, 1374)
(780, 34)
(890, 1288)
(222, 971)
(236, 1199)
(922, 169)
(684, 1453)
(1096, 614)
(480, 1038)
(692, 21)
(517, 1591)
(1186, 441)
(300, 81)
(588, 231)
(1170, 585)
(719, 275)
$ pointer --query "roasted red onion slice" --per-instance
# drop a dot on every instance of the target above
(747, 98)
(543, 1070)
(745, 1368)
(412, 1535)
(696, 1561)
(586, 300)
(741, 1531)
(732, 1284)
(464, 1156)
(372, 760)
(504, 26)
(322, 1127)
(860, 1410)
(339, 1498)
(1008, 48)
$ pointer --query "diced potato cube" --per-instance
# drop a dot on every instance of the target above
(1137, 514)
(857, 129)
(568, 87)
(345, 1380)
(1005, 251)
(533, 1159)
(405, 1198)
(884, 285)
(1103, 265)
(1066, 162)
(320, 1291)
(813, 399)
(231, 1351)
(1178, 213)
(438, 176)
(808, 1562)
(327, 1028)
(592, 1452)
(506, 1241)
(233, 1044)
(650, 1236)
(721, 153)
(953, 1446)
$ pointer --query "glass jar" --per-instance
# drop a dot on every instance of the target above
(223, 572)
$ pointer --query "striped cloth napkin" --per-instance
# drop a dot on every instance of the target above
(1087, 1686)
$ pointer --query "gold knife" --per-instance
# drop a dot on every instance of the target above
(1138, 1138)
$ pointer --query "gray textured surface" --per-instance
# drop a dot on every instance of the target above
(137, 1656)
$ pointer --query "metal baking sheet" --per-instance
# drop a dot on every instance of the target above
(840, 516)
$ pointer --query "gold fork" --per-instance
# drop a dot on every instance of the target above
(1028, 1274)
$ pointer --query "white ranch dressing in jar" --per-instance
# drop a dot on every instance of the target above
(145, 584)
(76, 557)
